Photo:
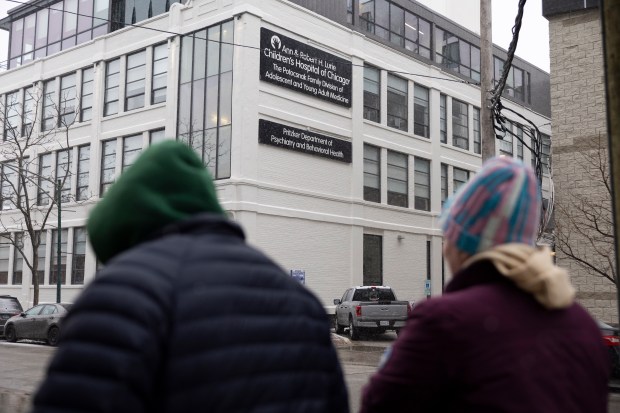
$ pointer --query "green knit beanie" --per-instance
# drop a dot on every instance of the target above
(167, 183)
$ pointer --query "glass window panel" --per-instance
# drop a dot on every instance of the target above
(421, 120)
(18, 258)
(108, 165)
(63, 173)
(41, 31)
(156, 136)
(213, 52)
(187, 46)
(85, 20)
(160, 73)
(83, 173)
(78, 257)
(223, 152)
(86, 102)
(444, 183)
(70, 19)
(397, 105)
(211, 108)
(198, 104)
(132, 146)
(382, 14)
(67, 99)
(17, 33)
(372, 173)
(45, 185)
(422, 180)
(460, 124)
(373, 260)
(372, 94)
(99, 31)
(477, 143)
(11, 115)
(29, 111)
(227, 52)
(459, 178)
(41, 250)
(49, 102)
(397, 185)
(29, 33)
(63, 257)
(443, 121)
(111, 92)
(225, 112)
(184, 119)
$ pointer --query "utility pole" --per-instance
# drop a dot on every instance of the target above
(610, 18)
(487, 134)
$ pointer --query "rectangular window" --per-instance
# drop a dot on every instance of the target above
(28, 114)
(5, 248)
(519, 133)
(545, 154)
(67, 100)
(505, 144)
(459, 178)
(132, 146)
(160, 73)
(372, 94)
(10, 185)
(397, 25)
(397, 183)
(422, 180)
(350, 11)
(372, 173)
(86, 103)
(135, 80)
(456, 54)
(41, 259)
(477, 144)
(205, 84)
(397, 97)
(444, 183)
(112, 77)
(49, 105)
(443, 118)
(108, 165)
(83, 167)
(18, 258)
(11, 116)
(421, 117)
(156, 136)
(63, 174)
(78, 257)
(373, 260)
(45, 185)
(63, 257)
(460, 124)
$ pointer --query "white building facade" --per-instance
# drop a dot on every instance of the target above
(334, 134)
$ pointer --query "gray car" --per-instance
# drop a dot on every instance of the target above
(41, 322)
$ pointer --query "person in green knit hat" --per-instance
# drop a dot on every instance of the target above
(186, 316)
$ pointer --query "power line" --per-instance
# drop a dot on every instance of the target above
(4, 63)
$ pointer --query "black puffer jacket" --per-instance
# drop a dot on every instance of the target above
(194, 321)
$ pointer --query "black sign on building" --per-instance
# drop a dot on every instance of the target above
(294, 65)
(299, 140)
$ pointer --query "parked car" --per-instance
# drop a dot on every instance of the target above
(611, 339)
(9, 306)
(370, 308)
(41, 322)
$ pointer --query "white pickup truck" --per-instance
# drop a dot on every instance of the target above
(372, 308)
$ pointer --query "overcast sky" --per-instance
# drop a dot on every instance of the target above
(533, 43)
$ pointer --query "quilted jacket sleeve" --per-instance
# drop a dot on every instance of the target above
(416, 373)
(112, 342)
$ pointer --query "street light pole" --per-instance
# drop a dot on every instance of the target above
(58, 247)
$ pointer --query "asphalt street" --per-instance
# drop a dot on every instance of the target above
(23, 366)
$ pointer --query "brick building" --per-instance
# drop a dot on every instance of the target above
(578, 117)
